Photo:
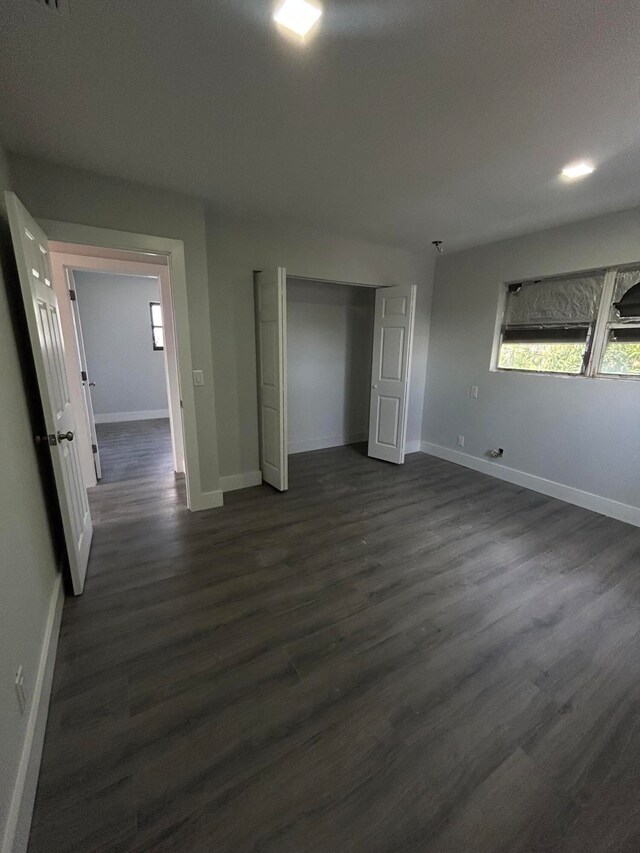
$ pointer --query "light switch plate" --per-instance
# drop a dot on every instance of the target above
(473, 392)
(198, 377)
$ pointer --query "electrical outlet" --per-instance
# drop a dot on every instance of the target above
(460, 441)
(198, 377)
(473, 392)
(22, 696)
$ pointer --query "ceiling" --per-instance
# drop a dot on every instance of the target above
(401, 121)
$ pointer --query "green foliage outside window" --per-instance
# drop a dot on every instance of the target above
(543, 357)
(622, 358)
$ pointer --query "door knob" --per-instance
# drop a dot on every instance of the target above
(65, 436)
(374, 386)
(92, 385)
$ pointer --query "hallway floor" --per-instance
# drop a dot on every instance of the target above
(415, 658)
(138, 479)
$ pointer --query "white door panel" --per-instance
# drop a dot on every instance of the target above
(45, 332)
(271, 325)
(391, 366)
(87, 383)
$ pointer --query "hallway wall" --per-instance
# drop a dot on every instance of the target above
(129, 374)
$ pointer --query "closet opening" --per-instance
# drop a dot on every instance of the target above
(329, 350)
(333, 362)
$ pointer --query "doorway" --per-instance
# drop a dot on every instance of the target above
(120, 353)
(330, 345)
(63, 416)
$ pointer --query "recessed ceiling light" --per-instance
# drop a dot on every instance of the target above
(297, 15)
(577, 170)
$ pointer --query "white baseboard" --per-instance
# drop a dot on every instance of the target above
(16, 835)
(240, 481)
(586, 500)
(323, 443)
(118, 417)
(206, 500)
(414, 446)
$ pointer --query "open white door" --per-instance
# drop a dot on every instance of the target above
(392, 344)
(87, 384)
(45, 332)
(271, 344)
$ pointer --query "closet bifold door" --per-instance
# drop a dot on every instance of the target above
(271, 346)
(390, 370)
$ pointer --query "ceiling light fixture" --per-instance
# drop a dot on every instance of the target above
(297, 16)
(577, 170)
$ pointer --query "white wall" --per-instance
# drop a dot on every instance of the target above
(129, 374)
(52, 191)
(235, 249)
(580, 432)
(330, 338)
(28, 576)
(231, 249)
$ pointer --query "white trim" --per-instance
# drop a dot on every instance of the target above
(587, 500)
(108, 238)
(413, 446)
(116, 417)
(240, 481)
(323, 443)
(206, 500)
(16, 835)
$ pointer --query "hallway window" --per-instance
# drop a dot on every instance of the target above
(157, 329)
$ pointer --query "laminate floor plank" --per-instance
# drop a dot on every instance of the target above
(384, 658)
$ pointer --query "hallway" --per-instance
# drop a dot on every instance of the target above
(138, 479)
(382, 659)
(133, 450)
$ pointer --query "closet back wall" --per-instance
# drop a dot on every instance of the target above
(330, 335)
(116, 324)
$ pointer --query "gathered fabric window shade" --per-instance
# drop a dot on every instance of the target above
(557, 302)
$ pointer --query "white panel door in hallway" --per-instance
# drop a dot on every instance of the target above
(271, 325)
(391, 365)
(45, 332)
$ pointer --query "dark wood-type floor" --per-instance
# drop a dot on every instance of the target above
(135, 450)
(415, 658)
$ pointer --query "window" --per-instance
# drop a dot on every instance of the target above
(157, 328)
(621, 356)
(580, 325)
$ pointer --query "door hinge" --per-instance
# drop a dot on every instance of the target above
(72, 295)
(94, 447)
(83, 374)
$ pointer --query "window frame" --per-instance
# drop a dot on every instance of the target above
(155, 326)
(597, 333)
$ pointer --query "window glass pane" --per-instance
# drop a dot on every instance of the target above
(625, 280)
(622, 353)
(156, 314)
(158, 337)
(542, 357)
(556, 301)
